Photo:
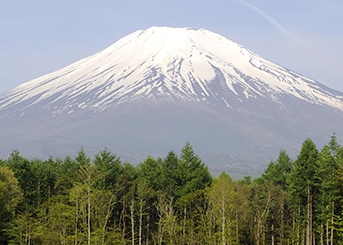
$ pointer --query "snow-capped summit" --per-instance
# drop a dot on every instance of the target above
(166, 64)
(155, 89)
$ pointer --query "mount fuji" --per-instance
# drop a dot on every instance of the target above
(155, 89)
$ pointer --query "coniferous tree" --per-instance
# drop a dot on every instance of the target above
(244, 211)
(276, 175)
(330, 194)
(173, 200)
(303, 184)
(192, 175)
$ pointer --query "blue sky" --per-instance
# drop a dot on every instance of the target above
(39, 36)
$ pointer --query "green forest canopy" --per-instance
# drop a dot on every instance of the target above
(172, 200)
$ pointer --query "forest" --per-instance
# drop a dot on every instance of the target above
(172, 200)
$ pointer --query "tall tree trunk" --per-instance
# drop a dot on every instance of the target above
(313, 238)
(293, 229)
(28, 235)
(282, 223)
(160, 232)
(161, 215)
(132, 222)
(210, 226)
(89, 214)
(322, 233)
(309, 216)
(298, 231)
(223, 222)
(140, 222)
(148, 230)
(273, 235)
(260, 221)
(109, 210)
(237, 226)
(122, 223)
(332, 215)
(258, 229)
(184, 225)
(327, 233)
(76, 220)
(171, 226)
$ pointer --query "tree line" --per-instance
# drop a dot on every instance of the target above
(172, 200)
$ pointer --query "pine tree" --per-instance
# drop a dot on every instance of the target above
(303, 184)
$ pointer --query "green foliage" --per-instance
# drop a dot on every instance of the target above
(191, 173)
(304, 173)
(171, 200)
(110, 166)
(169, 166)
(10, 196)
(222, 195)
(278, 171)
(151, 171)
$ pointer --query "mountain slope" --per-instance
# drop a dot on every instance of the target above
(177, 84)
(165, 62)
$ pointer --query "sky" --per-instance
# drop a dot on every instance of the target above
(38, 36)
